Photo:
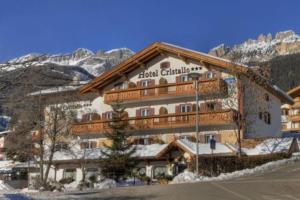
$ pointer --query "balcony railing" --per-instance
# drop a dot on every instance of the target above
(212, 87)
(294, 117)
(168, 121)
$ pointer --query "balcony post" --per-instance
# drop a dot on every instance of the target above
(195, 77)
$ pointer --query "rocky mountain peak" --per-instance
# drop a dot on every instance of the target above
(263, 48)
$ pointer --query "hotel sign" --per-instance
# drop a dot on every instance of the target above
(167, 72)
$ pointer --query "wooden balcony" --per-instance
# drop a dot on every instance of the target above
(212, 87)
(161, 122)
(294, 117)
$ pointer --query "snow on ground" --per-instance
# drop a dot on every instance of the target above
(274, 145)
(106, 184)
(4, 187)
(189, 177)
(71, 186)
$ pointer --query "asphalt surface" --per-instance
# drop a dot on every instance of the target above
(280, 184)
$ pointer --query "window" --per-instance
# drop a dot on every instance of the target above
(121, 86)
(267, 117)
(211, 106)
(267, 98)
(91, 172)
(88, 145)
(210, 75)
(145, 83)
(284, 112)
(185, 108)
(61, 146)
(109, 115)
(145, 112)
(159, 171)
(260, 115)
(184, 78)
(143, 141)
(70, 173)
(207, 138)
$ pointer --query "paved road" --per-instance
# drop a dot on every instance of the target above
(280, 184)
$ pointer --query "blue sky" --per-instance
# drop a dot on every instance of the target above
(61, 26)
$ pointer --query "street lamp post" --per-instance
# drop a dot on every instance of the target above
(195, 77)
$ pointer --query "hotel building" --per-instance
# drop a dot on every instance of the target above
(159, 97)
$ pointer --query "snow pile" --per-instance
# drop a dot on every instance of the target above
(71, 186)
(105, 184)
(26, 190)
(186, 177)
(189, 177)
(274, 145)
(204, 149)
(4, 187)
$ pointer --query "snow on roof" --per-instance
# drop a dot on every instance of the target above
(283, 93)
(4, 132)
(142, 151)
(274, 145)
(150, 150)
(204, 149)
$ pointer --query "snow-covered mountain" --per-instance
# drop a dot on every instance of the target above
(93, 63)
(264, 48)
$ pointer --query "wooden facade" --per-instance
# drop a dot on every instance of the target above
(168, 121)
(213, 87)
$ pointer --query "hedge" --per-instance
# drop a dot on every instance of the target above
(215, 165)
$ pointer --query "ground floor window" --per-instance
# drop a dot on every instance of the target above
(91, 173)
(70, 173)
(159, 171)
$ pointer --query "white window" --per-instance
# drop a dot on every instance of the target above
(109, 115)
(145, 83)
(121, 86)
(70, 173)
(145, 112)
(184, 78)
(208, 137)
(209, 75)
(185, 108)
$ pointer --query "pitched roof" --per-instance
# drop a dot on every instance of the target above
(159, 48)
(294, 92)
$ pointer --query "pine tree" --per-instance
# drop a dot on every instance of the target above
(117, 159)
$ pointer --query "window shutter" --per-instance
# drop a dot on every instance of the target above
(84, 118)
(93, 144)
(152, 82)
(177, 79)
(177, 109)
(138, 83)
(218, 105)
(218, 137)
(201, 138)
(152, 111)
(203, 107)
(138, 113)
(104, 116)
